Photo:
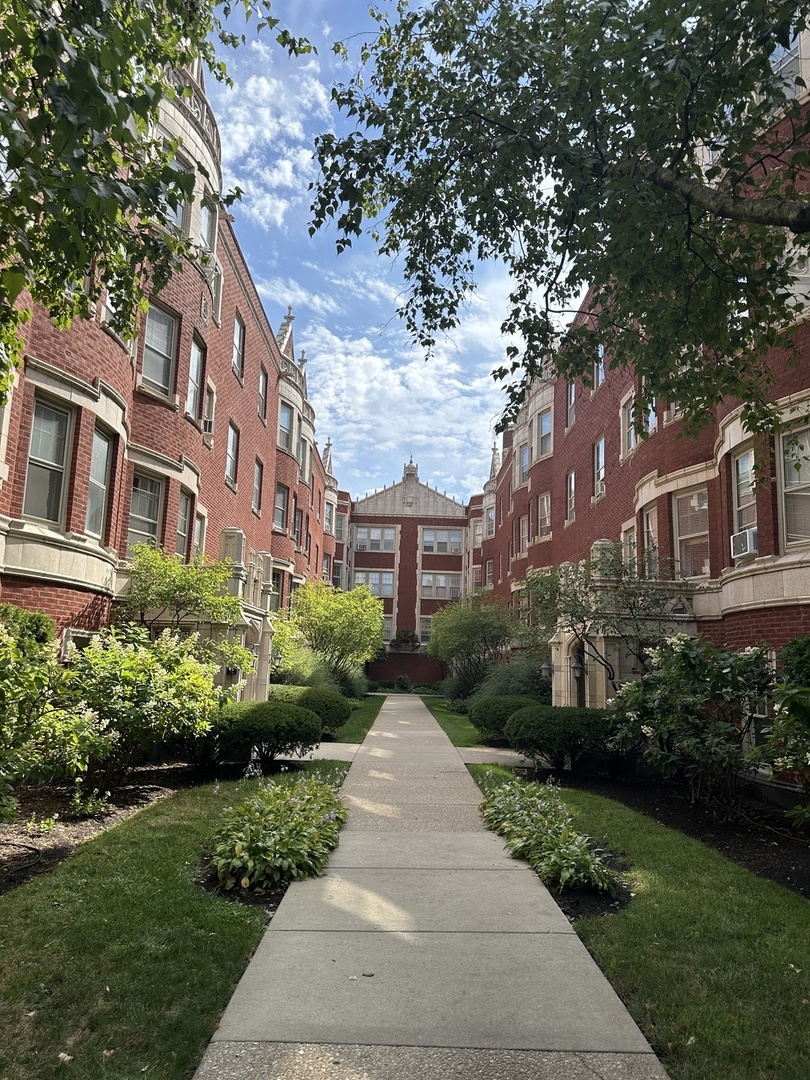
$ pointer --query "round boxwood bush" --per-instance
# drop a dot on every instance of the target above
(329, 706)
(558, 734)
(267, 729)
(795, 659)
(490, 714)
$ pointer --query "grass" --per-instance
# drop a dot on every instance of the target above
(456, 727)
(710, 959)
(357, 726)
(116, 959)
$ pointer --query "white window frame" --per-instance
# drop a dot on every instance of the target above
(570, 496)
(489, 571)
(545, 431)
(387, 628)
(238, 355)
(681, 538)
(599, 467)
(185, 510)
(424, 629)
(651, 542)
(281, 507)
(523, 534)
(544, 515)
(795, 479)
(258, 483)
(489, 517)
(329, 518)
(745, 492)
(599, 367)
(198, 540)
(380, 582)
(97, 488)
(232, 454)
(441, 586)
(51, 466)
(570, 404)
(264, 383)
(196, 371)
(286, 434)
(161, 365)
(629, 433)
(158, 491)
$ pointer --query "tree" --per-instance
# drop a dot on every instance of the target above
(343, 629)
(604, 600)
(468, 635)
(165, 589)
(87, 184)
(628, 147)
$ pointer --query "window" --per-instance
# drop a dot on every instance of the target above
(524, 534)
(651, 413)
(144, 511)
(629, 545)
(199, 534)
(47, 462)
(745, 497)
(381, 582)
(286, 424)
(629, 436)
(544, 514)
(488, 568)
(184, 509)
(298, 526)
(570, 403)
(692, 531)
(373, 538)
(238, 360)
(599, 468)
(258, 479)
(490, 520)
(524, 463)
(302, 457)
(280, 507)
(424, 630)
(160, 342)
(208, 223)
(570, 493)
(263, 392)
(232, 453)
(176, 215)
(441, 586)
(96, 516)
(796, 471)
(442, 541)
(337, 575)
(477, 578)
(329, 518)
(387, 627)
(544, 433)
(216, 291)
(651, 542)
(195, 376)
(599, 366)
(340, 528)
(478, 532)
(326, 568)
(208, 412)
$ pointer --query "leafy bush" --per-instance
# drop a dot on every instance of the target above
(267, 729)
(490, 714)
(692, 714)
(795, 658)
(403, 683)
(329, 706)
(29, 630)
(536, 827)
(46, 731)
(405, 637)
(284, 831)
(522, 675)
(787, 742)
(352, 684)
(146, 692)
(558, 734)
(458, 705)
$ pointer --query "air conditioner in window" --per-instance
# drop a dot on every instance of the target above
(744, 543)
(208, 425)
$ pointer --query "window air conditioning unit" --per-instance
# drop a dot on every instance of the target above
(744, 543)
(208, 425)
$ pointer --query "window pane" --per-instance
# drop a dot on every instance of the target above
(183, 523)
(145, 510)
(46, 463)
(99, 478)
(158, 351)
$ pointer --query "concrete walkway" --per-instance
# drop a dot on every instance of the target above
(424, 950)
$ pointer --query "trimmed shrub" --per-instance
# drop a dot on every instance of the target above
(522, 675)
(490, 714)
(329, 706)
(267, 729)
(558, 734)
(284, 831)
(352, 684)
(403, 683)
(795, 659)
(29, 630)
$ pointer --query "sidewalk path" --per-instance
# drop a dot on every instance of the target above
(424, 950)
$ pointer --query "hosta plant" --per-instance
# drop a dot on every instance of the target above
(283, 832)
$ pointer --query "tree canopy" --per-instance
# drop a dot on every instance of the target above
(343, 629)
(625, 147)
(85, 176)
(468, 635)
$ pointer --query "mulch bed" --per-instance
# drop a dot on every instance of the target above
(761, 841)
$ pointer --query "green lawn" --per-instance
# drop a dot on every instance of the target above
(712, 961)
(357, 726)
(458, 728)
(115, 958)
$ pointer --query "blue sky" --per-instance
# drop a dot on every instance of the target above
(373, 392)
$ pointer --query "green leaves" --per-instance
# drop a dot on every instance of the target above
(569, 141)
(342, 628)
